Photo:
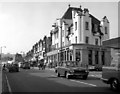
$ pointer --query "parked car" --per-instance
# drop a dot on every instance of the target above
(111, 74)
(13, 67)
(26, 65)
(71, 69)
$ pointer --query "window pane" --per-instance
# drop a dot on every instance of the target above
(75, 25)
(78, 56)
(86, 25)
(105, 30)
(87, 40)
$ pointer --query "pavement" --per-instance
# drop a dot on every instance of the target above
(0, 80)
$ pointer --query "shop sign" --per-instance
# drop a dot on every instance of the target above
(91, 48)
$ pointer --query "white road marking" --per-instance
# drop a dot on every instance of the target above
(84, 83)
(56, 76)
(9, 88)
(53, 76)
(78, 81)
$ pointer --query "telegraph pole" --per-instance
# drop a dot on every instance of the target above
(1, 52)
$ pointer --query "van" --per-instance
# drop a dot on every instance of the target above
(111, 74)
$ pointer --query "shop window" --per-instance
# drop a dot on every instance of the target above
(90, 57)
(103, 57)
(96, 57)
(78, 55)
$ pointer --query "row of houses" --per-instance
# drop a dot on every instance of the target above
(76, 36)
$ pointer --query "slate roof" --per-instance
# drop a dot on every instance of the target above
(115, 42)
(68, 13)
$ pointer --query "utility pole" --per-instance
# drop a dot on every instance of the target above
(1, 52)
(1, 56)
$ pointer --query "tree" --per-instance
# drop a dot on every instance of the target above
(18, 58)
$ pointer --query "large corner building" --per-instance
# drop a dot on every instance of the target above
(78, 36)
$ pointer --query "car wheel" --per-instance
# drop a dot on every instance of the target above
(85, 77)
(67, 75)
(55, 71)
(114, 84)
(58, 74)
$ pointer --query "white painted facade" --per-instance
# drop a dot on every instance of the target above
(79, 38)
(78, 35)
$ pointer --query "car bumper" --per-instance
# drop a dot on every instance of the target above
(78, 74)
(105, 80)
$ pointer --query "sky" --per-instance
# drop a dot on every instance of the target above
(25, 22)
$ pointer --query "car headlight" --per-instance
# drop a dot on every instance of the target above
(86, 71)
(71, 71)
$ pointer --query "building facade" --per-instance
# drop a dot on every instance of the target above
(78, 36)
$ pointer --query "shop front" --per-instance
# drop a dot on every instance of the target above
(85, 54)
(52, 58)
(91, 55)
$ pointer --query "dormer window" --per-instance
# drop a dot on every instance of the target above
(86, 25)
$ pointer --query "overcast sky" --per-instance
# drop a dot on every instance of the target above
(22, 24)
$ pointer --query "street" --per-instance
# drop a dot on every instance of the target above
(34, 80)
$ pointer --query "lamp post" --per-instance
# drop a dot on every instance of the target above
(1, 51)
(1, 55)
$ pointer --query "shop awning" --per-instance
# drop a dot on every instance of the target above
(52, 53)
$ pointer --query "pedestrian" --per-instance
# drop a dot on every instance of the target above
(4, 67)
(39, 65)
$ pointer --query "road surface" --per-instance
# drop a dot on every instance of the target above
(34, 80)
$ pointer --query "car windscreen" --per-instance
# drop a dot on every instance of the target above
(72, 64)
(116, 61)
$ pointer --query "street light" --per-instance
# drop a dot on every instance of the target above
(1, 52)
